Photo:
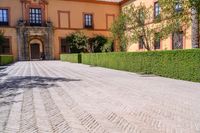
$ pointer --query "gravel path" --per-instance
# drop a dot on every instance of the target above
(61, 97)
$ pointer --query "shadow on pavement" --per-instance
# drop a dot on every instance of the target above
(32, 82)
(3, 67)
(3, 74)
(9, 87)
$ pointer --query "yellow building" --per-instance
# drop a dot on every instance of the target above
(178, 40)
(38, 27)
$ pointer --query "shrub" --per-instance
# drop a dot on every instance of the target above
(101, 43)
(178, 64)
(78, 42)
(6, 59)
(97, 43)
(74, 58)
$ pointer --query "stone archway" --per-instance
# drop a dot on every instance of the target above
(36, 49)
(42, 34)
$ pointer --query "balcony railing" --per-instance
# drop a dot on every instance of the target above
(28, 23)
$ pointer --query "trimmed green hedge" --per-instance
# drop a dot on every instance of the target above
(6, 59)
(178, 64)
(74, 58)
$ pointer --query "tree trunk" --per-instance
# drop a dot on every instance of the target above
(195, 28)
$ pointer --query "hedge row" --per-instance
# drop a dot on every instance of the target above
(74, 58)
(178, 64)
(6, 59)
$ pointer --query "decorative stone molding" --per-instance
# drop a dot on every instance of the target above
(26, 33)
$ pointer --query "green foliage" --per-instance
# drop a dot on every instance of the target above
(6, 59)
(194, 4)
(177, 18)
(186, 16)
(141, 24)
(108, 46)
(97, 43)
(2, 38)
(136, 18)
(178, 64)
(78, 42)
(118, 29)
(74, 58)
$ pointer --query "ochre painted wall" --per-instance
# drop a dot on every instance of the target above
(67, 17)
(165, 44)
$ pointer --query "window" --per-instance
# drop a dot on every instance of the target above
(4, 17)
(88, 20)
(5, 47)
(35, 16)
(157, 41)
(177, 40)
(141, 42)
(64, 46)
(178, 7)
(141, 17)
(156, 10)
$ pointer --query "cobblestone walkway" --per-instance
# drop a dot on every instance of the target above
(60, 97)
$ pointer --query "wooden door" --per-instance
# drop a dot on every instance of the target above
(35, 51)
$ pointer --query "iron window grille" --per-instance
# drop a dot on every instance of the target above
(4, 21)
(35, 16)
(88, 21)
(5, 47)
(156, 10)
(177, 40)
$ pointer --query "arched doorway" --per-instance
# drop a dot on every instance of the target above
(36, 49)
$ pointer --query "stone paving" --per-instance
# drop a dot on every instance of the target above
(61, 97)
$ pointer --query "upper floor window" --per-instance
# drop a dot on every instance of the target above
(4, 17)
(5, 47)
(88, 20)
(141, 17)
(156, 10)
(178, 6)
(35, 16)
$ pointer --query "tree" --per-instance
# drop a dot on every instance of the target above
(185, 13)
(108, 46)
(97, 43)
(143, 28)
(118, 30)
(78, 42)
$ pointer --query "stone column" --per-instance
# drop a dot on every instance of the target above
(19, 43)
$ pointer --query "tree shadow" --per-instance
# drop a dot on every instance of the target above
(147, 75)
(3, 74)
(9, 87)
(3, 67)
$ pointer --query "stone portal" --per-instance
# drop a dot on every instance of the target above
(26, 37)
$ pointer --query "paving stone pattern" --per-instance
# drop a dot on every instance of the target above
(61, 97)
